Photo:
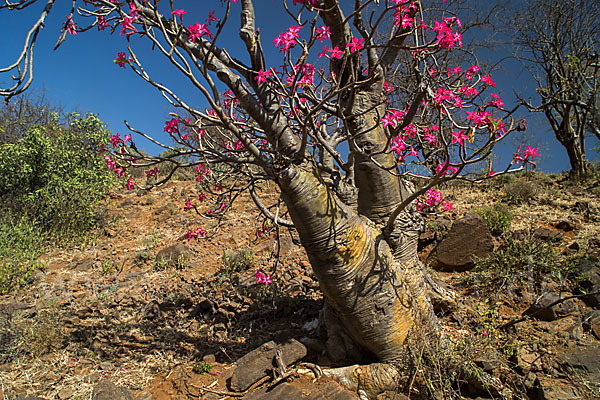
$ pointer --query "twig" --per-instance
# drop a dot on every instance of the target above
(232, 394)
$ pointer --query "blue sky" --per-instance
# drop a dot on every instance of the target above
(81, 75)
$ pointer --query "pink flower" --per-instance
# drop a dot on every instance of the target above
(356, 45)
(121, 59)
(127, 26)
(387, 87)
(487, 80)
(479, 118)
(323, 33)
(115, 140)
(151, 173)
(471, 71)
(447, 205)
(288, 39)
(197, 31)
(336, 53)
(262, 76)
(211, 17)
(497, 102)
(102, 23)
(130, 183)
(133, 11)
(459, 137)
(530, 152)
(179, 13)
(70, 26)
(172, 126)
(264, 279)
(188, 206)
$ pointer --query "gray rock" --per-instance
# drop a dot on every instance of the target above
(591, 323)
(588, 282)
(468, 239)
(584, 359)
(541, 309)
(259, 362)
(106, 390)
(547, 235)
(553, 389)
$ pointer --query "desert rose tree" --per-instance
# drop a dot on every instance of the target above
(319, 120)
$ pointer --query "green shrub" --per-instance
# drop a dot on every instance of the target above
(497, 217)
(520, 191)
(52, 178)
(202, 368)
(15, 275)
(514, 263)
(238, 260)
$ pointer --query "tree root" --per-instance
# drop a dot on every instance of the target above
(367, 380)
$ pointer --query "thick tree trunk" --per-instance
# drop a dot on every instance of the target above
(576, 158)
(379, 300)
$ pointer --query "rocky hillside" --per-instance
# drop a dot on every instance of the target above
(143, 312)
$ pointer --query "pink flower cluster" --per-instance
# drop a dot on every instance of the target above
(112, 164)
(70, 26)
(527, 155)
(197, 31)
(449, 170)
(432, 199)
(288, 39)
(402, 16)
(261, 278)
(445, 37)
(172, 126)
(195, 234)
(121, 59)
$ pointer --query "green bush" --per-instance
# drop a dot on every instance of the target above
(15, 275)
(497, 217)
(514, 263)
(519, 192)
(54, 176)
(238, 260)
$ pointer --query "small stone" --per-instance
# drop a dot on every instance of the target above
(209, 358)
(565, 226)
(65, 393)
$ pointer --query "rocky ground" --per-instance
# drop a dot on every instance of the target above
(142, 312)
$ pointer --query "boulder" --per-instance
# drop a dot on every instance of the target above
(591, 323)
(468, 239)
(553, 389)
(260, 362)
(541, 308)
(588, 281)
(547, 235)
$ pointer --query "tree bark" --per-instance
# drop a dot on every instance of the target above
(379, 300)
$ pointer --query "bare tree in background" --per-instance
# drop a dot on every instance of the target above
(355, 213)
(559, 43)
